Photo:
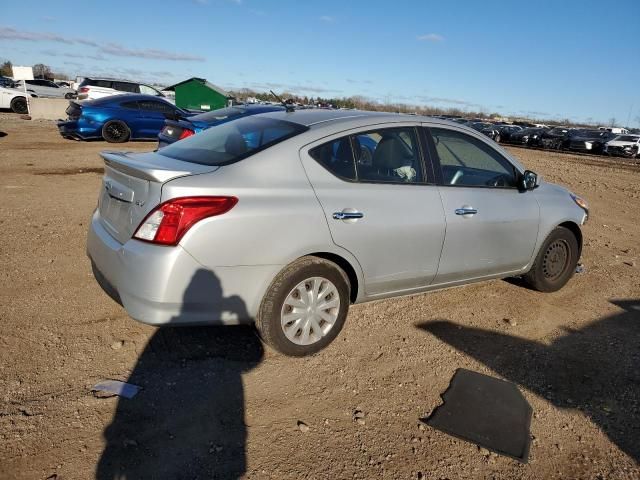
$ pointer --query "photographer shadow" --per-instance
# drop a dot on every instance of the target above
(187, 421)
(594, 369)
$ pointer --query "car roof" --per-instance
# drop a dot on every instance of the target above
(111, 79)
(314, 116)
(127, 97)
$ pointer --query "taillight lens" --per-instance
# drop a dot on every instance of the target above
(168, 222)
(186, 133)
(84, 89)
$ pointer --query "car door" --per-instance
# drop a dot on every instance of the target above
(153, 117)
(381, 204)
(492, 226)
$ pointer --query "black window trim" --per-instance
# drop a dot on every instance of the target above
(438, 166)
(424, 158)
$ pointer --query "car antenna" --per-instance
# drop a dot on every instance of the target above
(288, 107)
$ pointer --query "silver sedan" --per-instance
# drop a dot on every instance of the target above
(285, 219)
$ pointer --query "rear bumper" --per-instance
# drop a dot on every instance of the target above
(74, 129)
(160, 285)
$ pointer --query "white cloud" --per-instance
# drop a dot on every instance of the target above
(327, 18)
(431, 37)
(152, 53)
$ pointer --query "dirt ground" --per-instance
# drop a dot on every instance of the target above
(217, 404)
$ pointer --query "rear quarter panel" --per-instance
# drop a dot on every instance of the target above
(277, 218)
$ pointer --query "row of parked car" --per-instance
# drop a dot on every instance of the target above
(615, 142)
(12, 92)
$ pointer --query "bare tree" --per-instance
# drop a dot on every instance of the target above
(40, 70)
(6, 69)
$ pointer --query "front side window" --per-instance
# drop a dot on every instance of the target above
(146, 90)
(469, 162)
(126, 87)
(232, 141)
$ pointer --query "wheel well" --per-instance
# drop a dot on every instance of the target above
(344, 265)
(575, 229)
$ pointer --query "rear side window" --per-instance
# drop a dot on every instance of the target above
(337, 157)
(154, 106)
(389, 155)
(232, 141)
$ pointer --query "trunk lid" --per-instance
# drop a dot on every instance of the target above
(132, 187)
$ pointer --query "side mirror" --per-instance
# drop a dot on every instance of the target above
(528, 180)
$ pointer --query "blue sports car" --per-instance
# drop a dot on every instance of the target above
(118, 118)
(178, 128)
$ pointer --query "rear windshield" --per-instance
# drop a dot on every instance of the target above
(232, 141)
(219, 114)
(626, 138)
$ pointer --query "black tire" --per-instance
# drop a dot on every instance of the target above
(268, 321)
(19, 105)
(115, 131)
(69, 96)
(555, 263)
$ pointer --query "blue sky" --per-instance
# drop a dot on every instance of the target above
(577, 59)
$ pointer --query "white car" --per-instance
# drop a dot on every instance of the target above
(13, 99)
(623, 145)
(92, 88)
(46, 88)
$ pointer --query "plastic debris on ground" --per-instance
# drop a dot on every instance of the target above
(110, 388)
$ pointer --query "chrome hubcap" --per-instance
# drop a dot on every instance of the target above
(555, 259)
(310, 310)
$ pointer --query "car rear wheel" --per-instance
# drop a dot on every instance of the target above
(19, 105)
(555, 263)
(68, 96)
(115, 131)
(305, 307)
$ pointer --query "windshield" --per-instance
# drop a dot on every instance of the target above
(232, 141)
(627, 138)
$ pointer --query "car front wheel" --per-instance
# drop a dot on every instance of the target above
(305, 307)
(19, 105)
(555, 263)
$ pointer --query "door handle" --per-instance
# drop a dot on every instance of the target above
(466, 211)
(347, 215)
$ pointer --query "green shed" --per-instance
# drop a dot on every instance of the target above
(198, 94)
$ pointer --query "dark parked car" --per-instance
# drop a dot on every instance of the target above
(118, 118)
(178, 128)
(557, 138)
(479, 126)
(500, 133)
(589, 141)
(6, 82)
(529, 137)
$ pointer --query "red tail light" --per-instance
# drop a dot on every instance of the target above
(169, 221)
(186, 133)
(84, 89)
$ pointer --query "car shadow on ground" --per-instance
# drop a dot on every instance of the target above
(188, 419)
(594, 369)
